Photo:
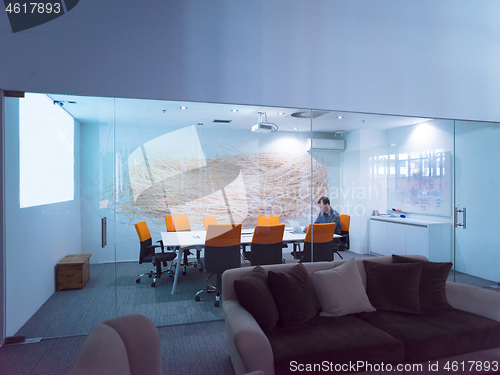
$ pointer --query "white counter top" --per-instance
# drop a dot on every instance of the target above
(407, 220)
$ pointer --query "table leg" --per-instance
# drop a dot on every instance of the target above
(177, 267)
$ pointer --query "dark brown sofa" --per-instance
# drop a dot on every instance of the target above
(468, 330)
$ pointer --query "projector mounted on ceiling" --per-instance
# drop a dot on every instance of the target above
(264, 126)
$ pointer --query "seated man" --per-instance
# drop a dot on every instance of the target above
(328, 214)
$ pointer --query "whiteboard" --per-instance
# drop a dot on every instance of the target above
(427, 190)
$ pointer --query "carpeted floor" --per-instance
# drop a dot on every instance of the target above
(112, 291)
(185, 349)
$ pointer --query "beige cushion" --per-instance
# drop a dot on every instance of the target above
(340, 290)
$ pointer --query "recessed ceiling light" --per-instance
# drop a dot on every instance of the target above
(184, 107)
(234, 110)
(281, 113)
(339, 117)
(295, 128)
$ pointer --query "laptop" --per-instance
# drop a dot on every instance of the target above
(296, 228)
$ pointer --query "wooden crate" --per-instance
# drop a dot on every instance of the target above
(73, 272)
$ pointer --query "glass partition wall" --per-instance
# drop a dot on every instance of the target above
(142, 160)
(199, 160)
(477, 177)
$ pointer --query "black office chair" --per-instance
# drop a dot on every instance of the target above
(266, 247)
(322, 240)
(222, 252)
(148, 254)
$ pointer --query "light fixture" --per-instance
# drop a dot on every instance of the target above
(234, 110)
(184, 107)
(281, 113)
(295, 128)
(339, 117)
(264, 126)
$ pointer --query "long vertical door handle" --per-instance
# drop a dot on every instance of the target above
(104, 237)
(464, 210)
(464, 217)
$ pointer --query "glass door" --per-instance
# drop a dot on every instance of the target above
(477, 177)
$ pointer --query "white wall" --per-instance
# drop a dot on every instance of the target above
(426, 58)
(37, 237)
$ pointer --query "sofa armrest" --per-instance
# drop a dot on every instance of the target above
(248, 346)
(126, 345)
(473, 299)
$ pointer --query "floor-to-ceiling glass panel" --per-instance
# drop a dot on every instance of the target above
(477, 177)
(232, 162)
(395, 182)
(56, 166)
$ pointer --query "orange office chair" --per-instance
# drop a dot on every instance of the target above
(343, 243)
(222, 252)
(177, 223)
(266, 247)
(180, 223)
(209, 220)
(148, 253)
(322, 248)
(268, 220)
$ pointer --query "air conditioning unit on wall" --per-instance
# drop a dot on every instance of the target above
(326, 144)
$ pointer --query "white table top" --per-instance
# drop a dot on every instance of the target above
(197, 238)
(191, 239)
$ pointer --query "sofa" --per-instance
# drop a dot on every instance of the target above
(396, 315)
(126, 345)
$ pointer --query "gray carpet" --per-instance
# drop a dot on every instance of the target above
(186, 349)
(112, 291)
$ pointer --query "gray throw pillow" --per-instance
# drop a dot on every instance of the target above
(340, 290)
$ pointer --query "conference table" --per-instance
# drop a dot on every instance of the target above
(191, 239)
